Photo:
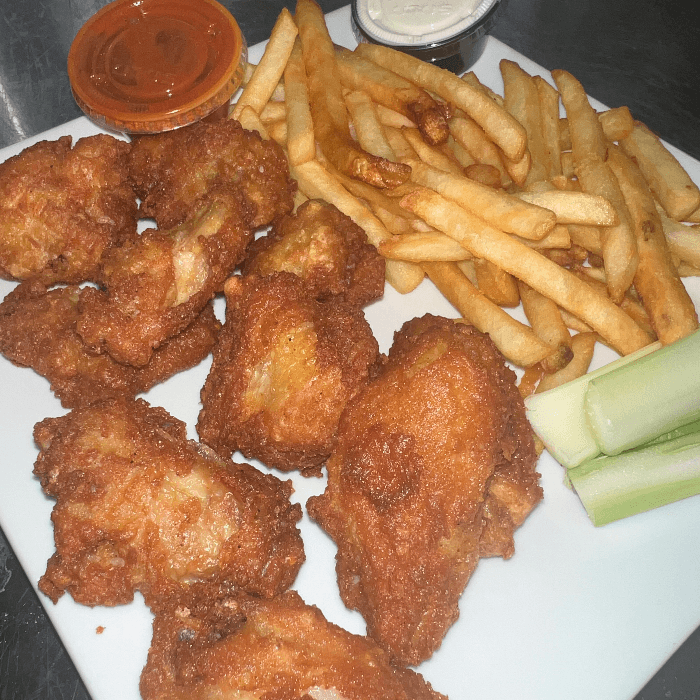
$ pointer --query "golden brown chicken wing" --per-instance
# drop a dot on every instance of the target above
(61, 208)
(326, 249)
(155, 286)
(141, 508)
(284, 367)
(38, 330)
(172, 170)
(282, 649)
(434, 467)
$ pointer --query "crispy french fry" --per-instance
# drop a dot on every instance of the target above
(468, 134)
(582, 347)
(471, 78)
(317, 183)
(670, 308)
(266, 76)
(431, 155)
(587, 237)
(683, 240)
(574, 207)
(328, 110)
(387, 88)
(613, 324)
(666, 177)
(549, 120)
(501, 127)
(301, 143)
(500, 287)
(460, 153)
(498, 208)
(389, 117)
(277, 131)
(617, 123)
(558, 237)
(485, 174)
(522, 100)
(368, 129)
(432, 246)
(273, 112)
(515, 340)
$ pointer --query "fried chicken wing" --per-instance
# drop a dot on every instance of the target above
(239, 647)
(173, 170)
(61, 208)
(433, 468)
(141, 508)
(284, 367)
(155, 286)
(38, 330)
(326, 249)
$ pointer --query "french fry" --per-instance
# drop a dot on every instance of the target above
(683, 240)
(587, 237)
(368, 129)
(582, 347)
(250, 120)
(265, 78)
(500, 287)
(613, 324)
(301, 143)
(389, 117)
(617, 123)
(558, 237)
(670, 308)
(500, 126)
(273, 112)
(431, 155)
(549, 120)
(485, 174)
(515, 340)
(522, 100)
(501, 210)
(574, 207)
(666, 177)
(328, 110)
(471, 78)
(387, 88)
(432, 246)
(317, 183)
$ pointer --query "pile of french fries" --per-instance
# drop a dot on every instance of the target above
(587, 220)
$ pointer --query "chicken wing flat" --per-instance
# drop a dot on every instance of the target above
(38, 330)
(240, 647)
(324, 247)
(155, 286)
(61, 208)
(434, 467)
(284, 367)
(172, 170)
(141, 508)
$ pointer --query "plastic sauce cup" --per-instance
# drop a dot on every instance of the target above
(146, 66)
(452, 33)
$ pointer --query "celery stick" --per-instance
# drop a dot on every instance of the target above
(614, 487)
(635, 403)
(558, 418)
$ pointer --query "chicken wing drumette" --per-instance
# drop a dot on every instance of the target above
(240, 647)
(172, 170)
(61, 208)
(284, 367)
(38, 330)
(326, 249)
(141, 508)
(433, 468)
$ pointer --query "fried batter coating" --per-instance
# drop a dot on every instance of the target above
(324, 247)
(434, 467)
(172, 170)
(141, 508)
(38, 330)
(61, 208)
(284, 367)
(280, 649)
(155, 286)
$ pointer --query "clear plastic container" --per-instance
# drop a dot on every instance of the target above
(145, 66)
(451, 34)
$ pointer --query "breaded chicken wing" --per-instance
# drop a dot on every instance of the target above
(324, 247)
(141, 508)
(61, 208)
(172, 170)
(284, 367)
(240, 647)
(433, 468)
(38, 330)
(155, 286)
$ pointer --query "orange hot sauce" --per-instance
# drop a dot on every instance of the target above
(145, 66)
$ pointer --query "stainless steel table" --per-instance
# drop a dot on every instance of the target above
(639, 53)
